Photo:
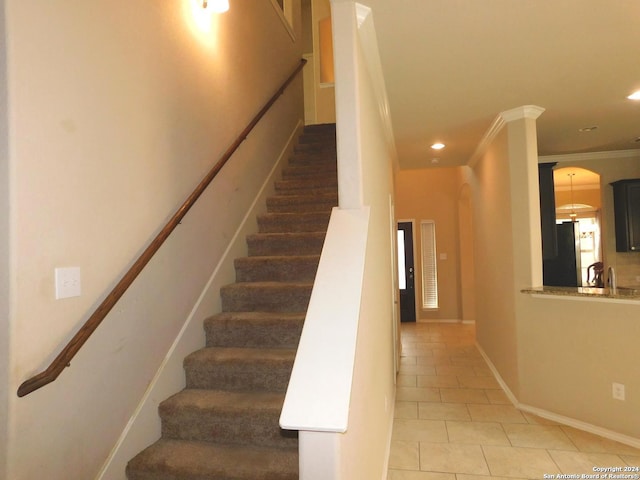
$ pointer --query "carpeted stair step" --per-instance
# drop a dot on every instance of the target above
(320, 128)
(327, 160)
(266, 297)
(319, 147)
(254, 329)
(283, 268)
(293, 222)
(301, 187)
(224, 425)
(240, 369)
(328, 171)
(311, 133)
(304, 243)
(239, 418)
(180, 460)
(302, 203)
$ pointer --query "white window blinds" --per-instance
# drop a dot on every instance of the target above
(429, 265)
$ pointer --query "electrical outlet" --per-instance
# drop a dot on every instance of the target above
(618, 391)
(67, 282)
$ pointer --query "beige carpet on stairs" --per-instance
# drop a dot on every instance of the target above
(224, 424)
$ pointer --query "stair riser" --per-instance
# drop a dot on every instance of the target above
(315, 148)
(247, 298)
(312, 170)
(301, 207)
(283, 223)
(327, 161)
(288, 244)
(261, 377)
(249, 428)
(251, 269)
(323, 138)
(308, 184)
(302, 203)
(314, 180)
(296, 189)
(249, 334)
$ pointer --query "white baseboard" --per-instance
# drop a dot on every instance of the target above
(555, 417)
(439, 320)
(390, 435)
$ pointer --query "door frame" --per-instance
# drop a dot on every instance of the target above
(412, 221)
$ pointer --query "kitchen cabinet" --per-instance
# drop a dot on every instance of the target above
(547, 211)
(626, 205)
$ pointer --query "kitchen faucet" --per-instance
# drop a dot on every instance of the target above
(611, 273)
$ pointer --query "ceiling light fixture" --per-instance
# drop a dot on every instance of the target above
(217, 6)
(438, 146)
(635, 95)
(588, 129)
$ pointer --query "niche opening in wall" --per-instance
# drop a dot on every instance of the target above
(325, 39)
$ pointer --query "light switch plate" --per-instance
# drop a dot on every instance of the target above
(67, 282)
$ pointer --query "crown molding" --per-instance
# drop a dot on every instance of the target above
(519, 113)
(580, 157)
(497, 125)
(362, 12)
(525, 111)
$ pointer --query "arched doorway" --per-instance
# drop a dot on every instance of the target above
(578, 212)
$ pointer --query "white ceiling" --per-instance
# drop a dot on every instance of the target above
(451, 66)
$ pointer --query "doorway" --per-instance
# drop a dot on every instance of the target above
(578, 199)
(406, 272)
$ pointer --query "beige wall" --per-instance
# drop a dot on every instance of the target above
(558, 356)
(4, 251)
(572, 350)
(432, 194)
(365, 445)
(591, 196)
(507, 243)
(494, 251)
(114, 115)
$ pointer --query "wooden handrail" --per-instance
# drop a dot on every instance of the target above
(64, 357)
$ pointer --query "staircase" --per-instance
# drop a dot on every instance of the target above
(224, 424)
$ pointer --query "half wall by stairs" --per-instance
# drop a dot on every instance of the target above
(224, 424)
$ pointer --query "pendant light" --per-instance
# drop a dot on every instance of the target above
(572, 215)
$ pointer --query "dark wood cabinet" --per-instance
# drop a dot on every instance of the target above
(547, 211)
(626, 204)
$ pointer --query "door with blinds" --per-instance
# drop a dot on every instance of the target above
(429, 265)
(406, 272)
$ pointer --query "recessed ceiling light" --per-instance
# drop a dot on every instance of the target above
(588, 129)
(437, 146)
(435, 161)
(635, 95)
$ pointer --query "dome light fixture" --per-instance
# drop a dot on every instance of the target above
(438, 146)
(635, 95)
(217, 6)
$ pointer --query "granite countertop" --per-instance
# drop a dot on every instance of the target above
(624, 293)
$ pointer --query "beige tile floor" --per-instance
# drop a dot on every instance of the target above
(453, 422)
